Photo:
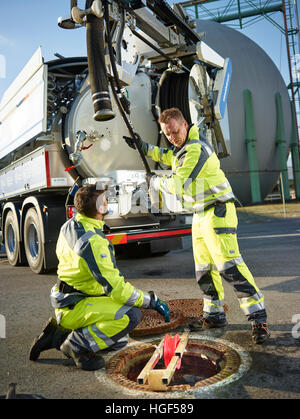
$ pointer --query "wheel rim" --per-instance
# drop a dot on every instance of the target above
(33, 241)
(11, 239)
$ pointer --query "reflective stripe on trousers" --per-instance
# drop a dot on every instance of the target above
(92, 339)
(98, 322)
(217, 256)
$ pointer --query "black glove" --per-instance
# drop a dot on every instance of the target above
(160, 306)
(148, 177)
(131, 142)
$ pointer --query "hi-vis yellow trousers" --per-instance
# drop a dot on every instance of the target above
(98, 323)
(217, 256)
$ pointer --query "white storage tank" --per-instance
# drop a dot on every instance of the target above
(254, 70)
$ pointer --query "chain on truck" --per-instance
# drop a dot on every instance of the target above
(62, 122)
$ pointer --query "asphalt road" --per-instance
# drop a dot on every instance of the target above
(271, 250)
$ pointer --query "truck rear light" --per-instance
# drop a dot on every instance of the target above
(71, 211)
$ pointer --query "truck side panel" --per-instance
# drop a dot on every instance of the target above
(23, 113)
(41, 169)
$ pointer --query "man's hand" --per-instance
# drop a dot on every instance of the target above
(160, 306)
(131, 142)
(148, 177)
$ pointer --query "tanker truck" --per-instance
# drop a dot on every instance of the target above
(62, 124)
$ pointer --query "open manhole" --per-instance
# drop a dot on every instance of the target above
(204, 363)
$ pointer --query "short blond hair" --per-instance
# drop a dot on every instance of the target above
(172, 113)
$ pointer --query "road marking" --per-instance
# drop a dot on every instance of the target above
(270, 236)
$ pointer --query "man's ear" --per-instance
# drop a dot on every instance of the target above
(102, 209)
(100, 203)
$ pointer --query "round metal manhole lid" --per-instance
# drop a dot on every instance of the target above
(191, 308)
(207, 363)
(182, 311)
(153, 323)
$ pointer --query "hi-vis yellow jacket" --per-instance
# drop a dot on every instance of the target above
(87, 263)
(196, 179)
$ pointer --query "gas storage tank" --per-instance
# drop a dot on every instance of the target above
(254, 70)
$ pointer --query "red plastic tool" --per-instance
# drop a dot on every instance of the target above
(170, 345)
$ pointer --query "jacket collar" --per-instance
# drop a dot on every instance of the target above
(90, 221)
(193, 132)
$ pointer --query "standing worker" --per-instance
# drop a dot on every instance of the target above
(95, 308)
(199, 182)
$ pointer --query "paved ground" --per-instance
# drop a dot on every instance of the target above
(270, 245)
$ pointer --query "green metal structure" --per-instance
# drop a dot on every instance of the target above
(281, 144)
(250, 138)
(295, 154)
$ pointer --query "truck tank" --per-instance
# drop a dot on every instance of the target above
(106, 151)
(253, 69)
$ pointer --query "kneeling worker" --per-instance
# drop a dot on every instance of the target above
(95, 308)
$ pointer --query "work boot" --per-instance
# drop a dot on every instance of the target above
(51, 337)
(209, 322)
(84, 360)
(260, 333)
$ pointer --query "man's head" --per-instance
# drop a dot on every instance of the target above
(174, 126)
(91, 202)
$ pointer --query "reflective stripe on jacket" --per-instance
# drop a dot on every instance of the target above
(87, 262)
(197, 179)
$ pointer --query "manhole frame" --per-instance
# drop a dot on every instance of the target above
(224, 377)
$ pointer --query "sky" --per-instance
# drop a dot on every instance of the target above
(27, 25)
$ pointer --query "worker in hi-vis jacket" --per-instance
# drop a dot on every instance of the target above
(95, 308)
(199, 183)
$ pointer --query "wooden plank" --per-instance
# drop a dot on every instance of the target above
(159, 379)
(155, 380)
(182, 344)
(157, 354)
(170, 370)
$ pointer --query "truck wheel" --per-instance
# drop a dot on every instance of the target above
(12, 245)
(33, 244)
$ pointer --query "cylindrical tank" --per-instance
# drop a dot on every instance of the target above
(252, 69)
(109, 151)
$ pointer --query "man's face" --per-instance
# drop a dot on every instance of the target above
(175, 131)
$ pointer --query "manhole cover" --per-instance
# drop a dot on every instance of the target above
(153, 323)
(191, 308)
(182, 311)
(205, 363)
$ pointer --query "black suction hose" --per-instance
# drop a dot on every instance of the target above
(120, 103)
(125, 103)
(97, 68)
(98, 77)
(110, 47)
(129, 127)
(120, 36)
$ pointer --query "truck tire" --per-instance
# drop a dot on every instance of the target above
(34, 247)
(11, 234)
